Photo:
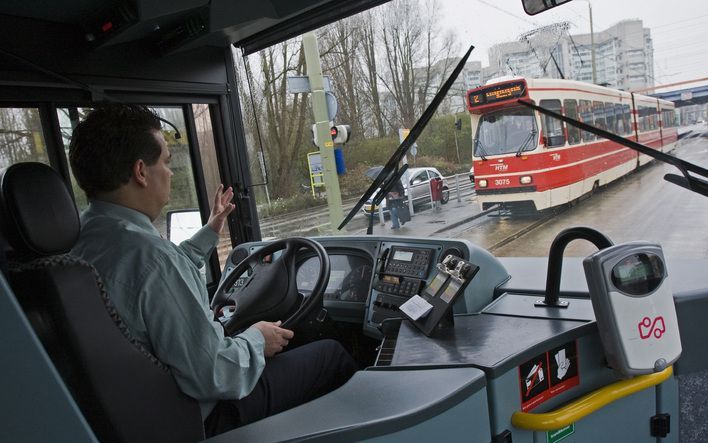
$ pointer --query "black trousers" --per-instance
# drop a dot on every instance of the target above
(288, 380)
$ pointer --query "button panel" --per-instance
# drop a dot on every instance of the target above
(409, 262)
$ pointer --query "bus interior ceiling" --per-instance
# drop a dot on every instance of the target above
(508, 362)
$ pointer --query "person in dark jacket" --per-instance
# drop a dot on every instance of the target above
(394, 199)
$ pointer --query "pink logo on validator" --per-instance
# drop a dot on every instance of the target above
(647, 327)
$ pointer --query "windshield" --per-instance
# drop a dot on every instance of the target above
(383, 78)
(505, 131)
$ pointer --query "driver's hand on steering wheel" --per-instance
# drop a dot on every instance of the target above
(276, 338)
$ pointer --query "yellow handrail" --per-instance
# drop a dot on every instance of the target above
(588, 403)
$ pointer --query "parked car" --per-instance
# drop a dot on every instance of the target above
(418, 187)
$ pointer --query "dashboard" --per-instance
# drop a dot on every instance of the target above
(372, 276)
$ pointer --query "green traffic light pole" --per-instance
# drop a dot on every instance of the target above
(322, 128)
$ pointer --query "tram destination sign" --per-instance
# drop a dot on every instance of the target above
(498, 93)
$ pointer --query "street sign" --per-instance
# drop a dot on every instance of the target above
(332, 106)
(300, 84)
(314, 161)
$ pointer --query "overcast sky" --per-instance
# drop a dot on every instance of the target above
(679, 28)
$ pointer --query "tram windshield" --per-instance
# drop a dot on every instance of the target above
(505, 131)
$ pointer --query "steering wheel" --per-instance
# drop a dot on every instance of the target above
(269, 292)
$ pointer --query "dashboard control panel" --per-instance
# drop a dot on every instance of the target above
(401, 274)
(408, 262)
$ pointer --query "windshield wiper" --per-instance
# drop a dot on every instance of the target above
(403, 148)
(695, 184)
(530, 137)
(479, 147)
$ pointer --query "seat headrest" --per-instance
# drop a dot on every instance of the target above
(38, 214)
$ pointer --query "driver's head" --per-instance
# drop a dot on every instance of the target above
(119, 154)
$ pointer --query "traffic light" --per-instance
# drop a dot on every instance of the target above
(340, 134)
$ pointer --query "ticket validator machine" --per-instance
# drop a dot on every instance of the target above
(634, 307)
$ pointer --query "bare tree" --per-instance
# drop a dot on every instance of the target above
(417, 58)
(342, 43)
(372, 98)
(284, 114)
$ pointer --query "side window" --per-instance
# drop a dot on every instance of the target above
(571, 110)
(598, 112)
(553, 134)
(21, 138)
(210, 168)
(585, 109)
(183, 193)
(68, 119)
(419, 178)
(433, 174)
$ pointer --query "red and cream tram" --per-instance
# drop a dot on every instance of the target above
(523, 160)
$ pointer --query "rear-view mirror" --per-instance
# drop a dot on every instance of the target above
(533, 7)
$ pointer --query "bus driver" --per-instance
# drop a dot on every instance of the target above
(120, 159)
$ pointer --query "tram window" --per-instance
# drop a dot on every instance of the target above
(210, 167)
(610, 118)
(642, 118)
(585, 109)
(552, 128)
(619, 120)
(571, 110)
(627, 117)
(654, 119)
(619, 123)
(21, 138)
(598, 112)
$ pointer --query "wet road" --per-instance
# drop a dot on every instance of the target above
(642, 206)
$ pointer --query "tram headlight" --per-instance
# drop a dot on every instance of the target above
(482, 183)
(525, 180)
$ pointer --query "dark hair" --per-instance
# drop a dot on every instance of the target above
(105, 146)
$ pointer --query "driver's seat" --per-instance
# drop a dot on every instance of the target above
(124, 392)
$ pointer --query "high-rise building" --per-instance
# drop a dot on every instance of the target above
(624, 56)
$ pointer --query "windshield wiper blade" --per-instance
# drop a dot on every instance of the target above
(482, 152)
(530, 137)
(695, 184)
(403, 148)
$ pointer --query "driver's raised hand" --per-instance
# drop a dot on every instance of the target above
(221, 209)
(276, 338)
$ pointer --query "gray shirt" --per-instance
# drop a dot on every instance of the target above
(157, 289)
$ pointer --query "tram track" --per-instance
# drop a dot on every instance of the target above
(525, 230)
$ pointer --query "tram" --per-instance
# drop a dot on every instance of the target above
(527, 162)
(452, 342)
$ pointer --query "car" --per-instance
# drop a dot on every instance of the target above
(471, 175)
(418, 186)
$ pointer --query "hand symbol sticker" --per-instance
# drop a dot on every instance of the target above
(563, 363)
